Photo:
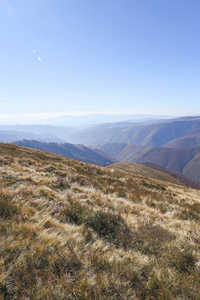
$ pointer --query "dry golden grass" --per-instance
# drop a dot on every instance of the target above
(70, 230)
(143, 171)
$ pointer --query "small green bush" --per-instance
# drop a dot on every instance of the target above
(8, 209)
(62, 183)
(105, 224)
(109, 226)
(184, 261)
(74, 212)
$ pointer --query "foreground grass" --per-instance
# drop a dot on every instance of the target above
(75, 231)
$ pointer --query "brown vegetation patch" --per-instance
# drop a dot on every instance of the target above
(149, 239)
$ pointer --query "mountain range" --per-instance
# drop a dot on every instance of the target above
(95, 119)
(171, 143)
(149, 135)
(43, 133)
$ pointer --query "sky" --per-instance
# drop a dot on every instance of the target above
(99, 56)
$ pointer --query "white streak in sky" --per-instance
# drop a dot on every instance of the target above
(38, 57)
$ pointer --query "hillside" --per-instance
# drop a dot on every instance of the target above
(143, 171)
(124, 152)
(190, 140)
(150, 170)
(79, 152)
(153, 171)
(69, 230)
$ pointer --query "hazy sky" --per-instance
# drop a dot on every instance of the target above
(80, 56)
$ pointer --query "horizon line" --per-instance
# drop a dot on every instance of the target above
(83, 113)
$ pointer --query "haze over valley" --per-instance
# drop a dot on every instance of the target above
(170, 143)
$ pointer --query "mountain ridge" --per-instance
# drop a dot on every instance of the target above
(151, 135)
(78, 152)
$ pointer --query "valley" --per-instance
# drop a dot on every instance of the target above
(170, 143)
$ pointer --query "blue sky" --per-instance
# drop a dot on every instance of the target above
(102, 56)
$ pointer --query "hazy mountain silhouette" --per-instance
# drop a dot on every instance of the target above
(78, 152)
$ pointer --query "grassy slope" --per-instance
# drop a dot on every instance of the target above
(144, 171)
(185, 180)
(70, 230)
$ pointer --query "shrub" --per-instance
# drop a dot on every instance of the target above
(109, 226)
(105, 224)
(73, 212)
(62, 183)
(183, 261)
(149, 239)
(7, 209)
(121, 194)
(187, 214)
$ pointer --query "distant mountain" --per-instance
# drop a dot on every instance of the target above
(182, 160)
(94, 119)
(8, 136)
(54, 133)
(124, 152)
(151, 135)
(12, 135)
(78, 152)
(99, 134)
(95, 136)
(139, 141)
(190, 140)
